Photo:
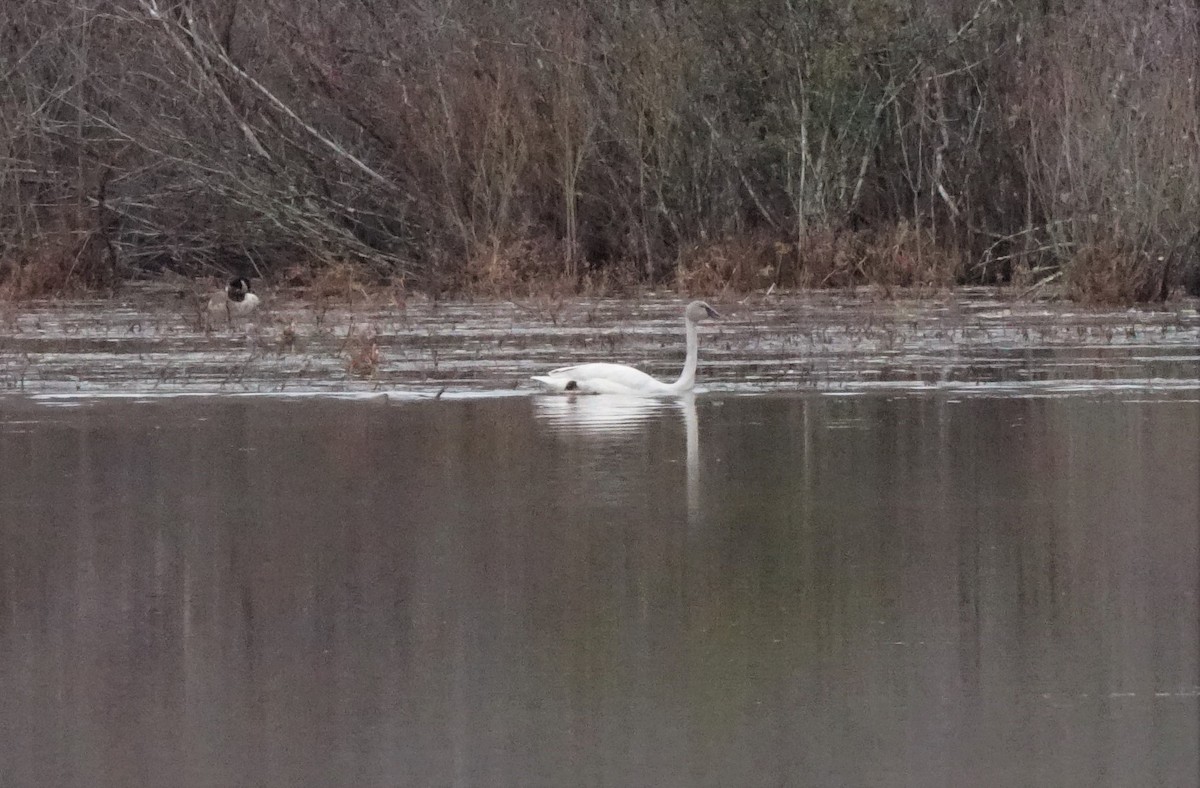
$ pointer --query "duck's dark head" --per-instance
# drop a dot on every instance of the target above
(237, 288)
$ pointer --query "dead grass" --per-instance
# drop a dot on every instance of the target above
(744, 263)
(535, 271)
(535, 266)
(363, 356)
(1105, 273)
(897, 256)
(59, 262)
(287, 338)
(340, 281)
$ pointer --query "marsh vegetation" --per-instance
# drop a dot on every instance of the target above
(158, 340)
(517, 147)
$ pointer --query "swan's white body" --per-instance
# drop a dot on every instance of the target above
(606, 378)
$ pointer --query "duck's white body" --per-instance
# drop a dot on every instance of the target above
(235, 300)
(244, 307)
(606, 378)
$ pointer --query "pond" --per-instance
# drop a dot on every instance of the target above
(948, 577)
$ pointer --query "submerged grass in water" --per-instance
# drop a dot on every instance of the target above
(151, 342)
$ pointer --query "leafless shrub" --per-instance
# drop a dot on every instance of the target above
(505, 145)
(1113, 157)
(65, 255)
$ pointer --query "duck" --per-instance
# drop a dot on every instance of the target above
(608, 378)
(235, 300)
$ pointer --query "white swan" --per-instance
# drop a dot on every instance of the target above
(235, 300)
(603, 378)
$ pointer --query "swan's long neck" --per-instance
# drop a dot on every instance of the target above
(687, 378)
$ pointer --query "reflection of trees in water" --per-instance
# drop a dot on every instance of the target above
(334, 591)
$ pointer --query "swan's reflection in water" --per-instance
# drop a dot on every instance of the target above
(614, 417)
(691, 423)
(605, 415)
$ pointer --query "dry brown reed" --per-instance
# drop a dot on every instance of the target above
(362, 352)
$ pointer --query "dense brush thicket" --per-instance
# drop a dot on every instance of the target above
(504, 144)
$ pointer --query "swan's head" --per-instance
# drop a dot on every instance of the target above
(698, 312)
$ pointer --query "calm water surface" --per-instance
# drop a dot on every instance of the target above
(880, 589)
